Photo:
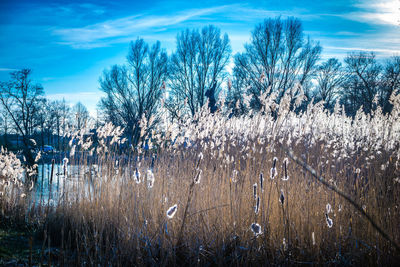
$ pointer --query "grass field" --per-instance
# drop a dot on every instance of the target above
(224, 192)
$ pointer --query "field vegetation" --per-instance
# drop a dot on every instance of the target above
(214, 190)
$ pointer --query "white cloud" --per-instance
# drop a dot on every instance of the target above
(250, 14)
(114, 31)
(8, 69)
(383, 51)
(386, 12)
(120, 30)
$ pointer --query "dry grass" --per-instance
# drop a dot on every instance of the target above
(108, 218)
(120, 221)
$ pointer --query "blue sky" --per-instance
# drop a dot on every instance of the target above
(69, 43)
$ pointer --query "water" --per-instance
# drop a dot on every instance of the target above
(80, 181)
(69, 187)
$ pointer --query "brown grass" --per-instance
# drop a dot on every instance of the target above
(117, 221)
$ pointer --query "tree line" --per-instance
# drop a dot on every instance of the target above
(278, 59)
(26, 116)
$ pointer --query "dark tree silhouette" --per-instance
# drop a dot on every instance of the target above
(81, 115)
(197, 65)
(278, 57)
(22, 99)
(210, 94)
(133, 91)
(362, 82)
(391, 78)
(330, 77)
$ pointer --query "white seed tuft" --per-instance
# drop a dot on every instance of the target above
(171, 211)
(256, 228)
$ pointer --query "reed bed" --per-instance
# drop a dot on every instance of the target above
(222, 191)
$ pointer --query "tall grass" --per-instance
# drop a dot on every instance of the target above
(225, 213)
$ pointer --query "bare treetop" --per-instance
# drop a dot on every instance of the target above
(133, 91)
(278, 57)
(22, 99)
(197, 65)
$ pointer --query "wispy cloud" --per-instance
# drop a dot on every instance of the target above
(385, 12)
(8, 69)
(93, 8)
(243, 13)
(123, 29)
(46, 79)
(116, 31)
(51, 29)
(385, 51)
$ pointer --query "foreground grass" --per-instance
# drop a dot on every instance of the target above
(222, 192)
(108, 218)
(21, 245)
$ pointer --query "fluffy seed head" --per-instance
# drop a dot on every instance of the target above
(234, 176)
(272, 173)
(329, 221)
(328, 208)
(137, 176)
(150, 178)
(171, 211)
(197, 178)
(256, 228)
(282, 197)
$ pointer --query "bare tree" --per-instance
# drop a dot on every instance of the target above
(22, 100)
(81, 115)
(391, 78)
(54, 122)
(329, 78)
(278, 58)
(362, 83)
(66, 120)
(59, 120)
(235, 97)
(133, 91)
(42, 117)
(197, 67)
(5, 124)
